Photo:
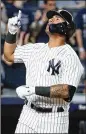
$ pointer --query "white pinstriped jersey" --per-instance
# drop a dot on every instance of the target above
(45, 67)
(41, 63)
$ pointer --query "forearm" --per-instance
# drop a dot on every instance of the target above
(10, 41)
(6, 62)
(59, 91)
(56, 91)
(79, 38)
(9, 47)
(63, 91)
(26, 39)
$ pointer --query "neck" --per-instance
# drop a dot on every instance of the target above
(55, 41)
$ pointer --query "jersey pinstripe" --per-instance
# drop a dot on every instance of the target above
(36, 58)
(46, 67)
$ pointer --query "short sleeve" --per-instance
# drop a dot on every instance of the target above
(22, 53)
(72, 71)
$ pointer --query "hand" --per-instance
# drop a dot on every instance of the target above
(14, 23)
(44, 18)
(24, 92)
(82, 55)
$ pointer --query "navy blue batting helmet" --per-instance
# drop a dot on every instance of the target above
(65, 28)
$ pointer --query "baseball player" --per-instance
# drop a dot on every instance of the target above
(53, 72)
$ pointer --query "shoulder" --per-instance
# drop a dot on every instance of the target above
(31, 46)
(71, 54)
(25, 46)
(39, 45)
(72, 59)
(70, 50)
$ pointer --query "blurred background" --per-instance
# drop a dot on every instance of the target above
(33, 25)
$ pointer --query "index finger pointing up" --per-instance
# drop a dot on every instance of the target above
(19, 14)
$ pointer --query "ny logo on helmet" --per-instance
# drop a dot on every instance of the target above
(55, 68)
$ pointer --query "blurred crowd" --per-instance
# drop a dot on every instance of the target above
(33, 23)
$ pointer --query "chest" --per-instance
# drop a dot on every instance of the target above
(46, 62)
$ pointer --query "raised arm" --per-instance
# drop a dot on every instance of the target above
(10, 41)
(80, 43)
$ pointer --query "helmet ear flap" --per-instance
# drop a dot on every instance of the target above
(65, 27)
(70, 29)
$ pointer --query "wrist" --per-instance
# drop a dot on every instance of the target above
(41, 22)
(42, 91)
(10, 38)
(81, 49)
